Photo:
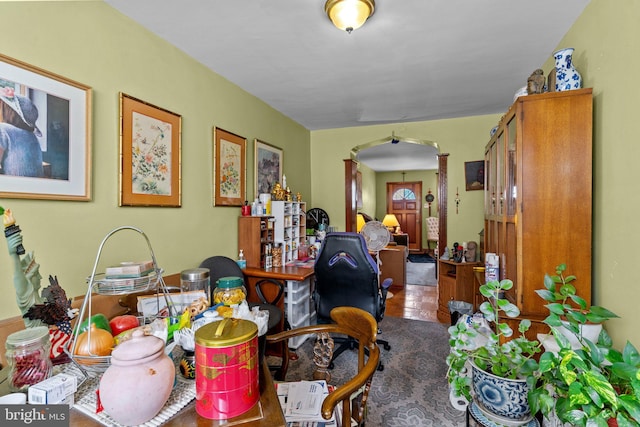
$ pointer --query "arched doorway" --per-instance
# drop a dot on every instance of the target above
(351, 169)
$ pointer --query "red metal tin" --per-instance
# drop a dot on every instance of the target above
(226, 359)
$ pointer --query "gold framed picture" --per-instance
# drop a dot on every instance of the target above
(229, 168)
(150, 154)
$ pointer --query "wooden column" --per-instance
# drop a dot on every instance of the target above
(350, 202)
(442, 202)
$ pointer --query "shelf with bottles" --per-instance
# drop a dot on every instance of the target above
(290, 217)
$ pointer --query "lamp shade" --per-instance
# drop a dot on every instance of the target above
(390, 221)
(359, 222)
(349, 15)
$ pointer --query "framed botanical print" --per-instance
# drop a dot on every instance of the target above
(150, 157)
(229, 168)
(268, 166)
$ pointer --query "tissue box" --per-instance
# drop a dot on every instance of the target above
(56, 389)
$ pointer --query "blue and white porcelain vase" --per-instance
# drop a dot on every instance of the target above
(567, 77)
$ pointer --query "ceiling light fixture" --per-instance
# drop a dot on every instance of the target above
(349, 15)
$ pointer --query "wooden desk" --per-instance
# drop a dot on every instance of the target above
(265, 414)
(295, 280)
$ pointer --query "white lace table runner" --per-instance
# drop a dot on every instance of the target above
(184, 391)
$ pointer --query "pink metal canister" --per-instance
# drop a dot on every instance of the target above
(226, 360)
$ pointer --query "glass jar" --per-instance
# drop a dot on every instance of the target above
(229, 291)
(194, 283)
(28, 357)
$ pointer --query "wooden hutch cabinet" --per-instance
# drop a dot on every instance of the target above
(255, 235)
(538, 200)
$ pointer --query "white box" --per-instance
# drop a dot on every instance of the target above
(53, 390)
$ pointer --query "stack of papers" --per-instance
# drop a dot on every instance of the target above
(301, 403)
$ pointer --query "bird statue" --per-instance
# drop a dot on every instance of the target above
(56, 309)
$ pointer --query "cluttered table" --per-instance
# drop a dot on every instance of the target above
(267, 412)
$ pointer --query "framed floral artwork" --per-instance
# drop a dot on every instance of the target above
(268, 166)
(45, 143)
(229, 168)
(150, 156)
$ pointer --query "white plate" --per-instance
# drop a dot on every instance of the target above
(485, 416)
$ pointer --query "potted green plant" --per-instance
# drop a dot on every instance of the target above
(591, 383)
(493, 362)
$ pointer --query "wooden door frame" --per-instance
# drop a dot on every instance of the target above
(350, 198)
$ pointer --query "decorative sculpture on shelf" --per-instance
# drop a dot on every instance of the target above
(536, 82)
(278, 193)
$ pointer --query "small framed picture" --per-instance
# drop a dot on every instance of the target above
(269, 164)
(229, 169)
(150, 159)
(474, 175)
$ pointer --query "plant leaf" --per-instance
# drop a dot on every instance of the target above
(505, 330)
(630, 355)
(579, 300)
(632, 406)
(549, 283)
(506, 284)
(546, 295)
(511, 310)
(556, 308)
(601, 385)
(602, 312)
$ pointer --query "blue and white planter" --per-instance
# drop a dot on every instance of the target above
(502, 400)
(567, 77)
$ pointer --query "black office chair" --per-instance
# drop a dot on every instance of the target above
(221, 266)
(347, 275)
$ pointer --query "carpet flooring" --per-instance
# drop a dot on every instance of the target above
(412, 390)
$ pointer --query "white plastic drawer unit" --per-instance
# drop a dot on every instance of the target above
(298, 307)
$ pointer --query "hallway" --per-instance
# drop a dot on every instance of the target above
(414, 302)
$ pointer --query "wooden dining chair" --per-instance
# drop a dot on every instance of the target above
(353, 394)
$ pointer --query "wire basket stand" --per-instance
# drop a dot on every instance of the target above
(101, 285)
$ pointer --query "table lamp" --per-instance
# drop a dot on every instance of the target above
(391, 222)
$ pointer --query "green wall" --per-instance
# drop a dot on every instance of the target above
(464, 139)
(92, 43)
(607, 54)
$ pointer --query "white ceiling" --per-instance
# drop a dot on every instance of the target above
(414, 60)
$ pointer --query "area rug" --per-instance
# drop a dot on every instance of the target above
(412, 390)
(421, 258)
(421, 273)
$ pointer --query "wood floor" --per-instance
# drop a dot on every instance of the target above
(414, 302)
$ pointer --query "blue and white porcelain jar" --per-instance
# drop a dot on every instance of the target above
(567, 77)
